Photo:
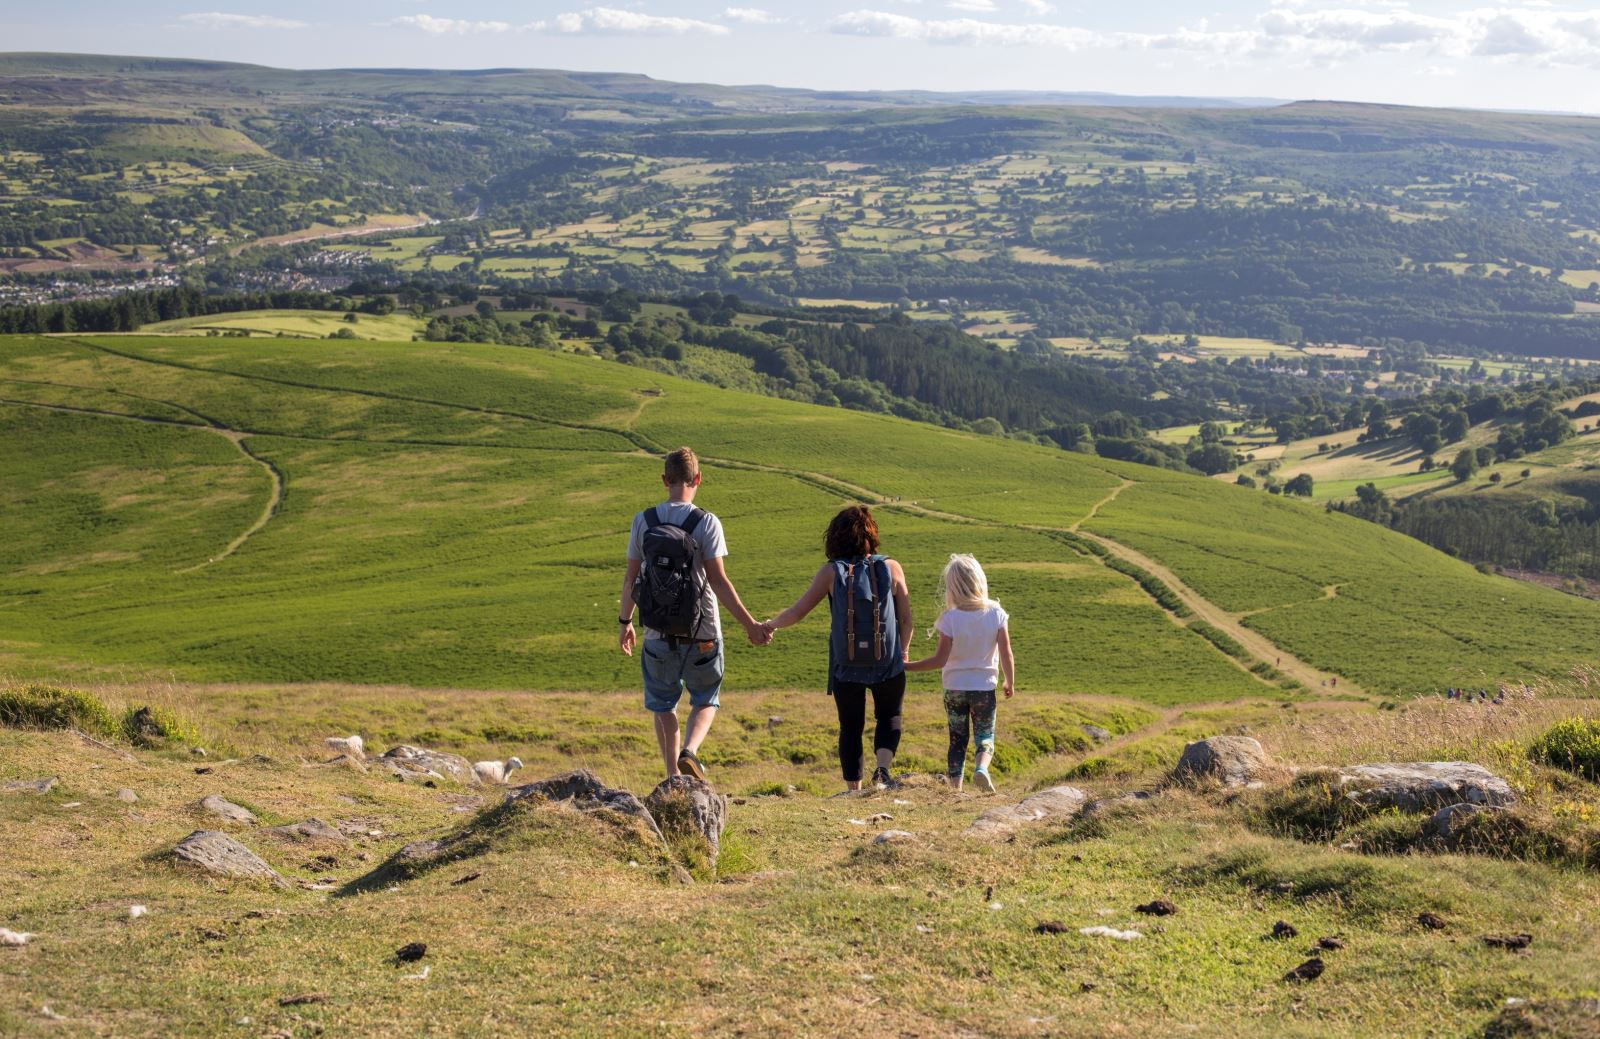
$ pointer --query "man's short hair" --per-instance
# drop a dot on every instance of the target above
(682, 466)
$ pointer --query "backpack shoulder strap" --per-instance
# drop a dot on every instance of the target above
(652, 518)
(691, 522)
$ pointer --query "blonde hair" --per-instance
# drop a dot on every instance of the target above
(966, 587)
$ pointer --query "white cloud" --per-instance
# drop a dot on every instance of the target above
(220, 20)
(1527, 32)
(448, 26)
(1039, 7)
(609, 21)
(751, 16)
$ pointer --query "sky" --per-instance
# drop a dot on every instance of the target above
(1534, 54)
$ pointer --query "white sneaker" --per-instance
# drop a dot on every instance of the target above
(981, 780)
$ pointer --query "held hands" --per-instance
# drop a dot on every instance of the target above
(759, 634)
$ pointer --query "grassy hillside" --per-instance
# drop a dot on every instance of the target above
(455, 514)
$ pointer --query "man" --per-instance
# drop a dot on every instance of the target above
(692, 658)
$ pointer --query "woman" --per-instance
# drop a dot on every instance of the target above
(871, 628)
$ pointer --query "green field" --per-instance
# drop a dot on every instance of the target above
(304, 324)
(453, 515)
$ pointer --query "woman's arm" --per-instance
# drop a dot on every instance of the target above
(902, 607)
(1008, 666)
(935, 662)
(820, 586)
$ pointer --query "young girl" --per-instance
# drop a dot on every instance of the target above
(974, 651)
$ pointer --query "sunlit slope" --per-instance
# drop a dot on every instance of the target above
(454, 514)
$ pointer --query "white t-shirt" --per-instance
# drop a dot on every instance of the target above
(974, 662)
(712, 546)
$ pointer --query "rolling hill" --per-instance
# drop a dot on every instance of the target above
(453, 514)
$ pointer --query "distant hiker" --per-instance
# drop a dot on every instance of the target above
(975, 652)
(866, 592)
(676, 577)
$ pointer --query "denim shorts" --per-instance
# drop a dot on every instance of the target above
(671, 668)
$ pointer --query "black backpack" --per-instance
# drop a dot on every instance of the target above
(670, 585)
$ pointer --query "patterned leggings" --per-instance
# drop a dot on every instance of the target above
(966, 709)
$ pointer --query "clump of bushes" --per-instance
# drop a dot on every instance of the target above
(51, 707)
(1573, 745)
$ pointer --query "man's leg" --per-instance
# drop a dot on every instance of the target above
(700, 719)
(667, 738)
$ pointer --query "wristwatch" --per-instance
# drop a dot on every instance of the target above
(624, 621)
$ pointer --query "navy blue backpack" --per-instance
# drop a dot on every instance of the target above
(865, 644)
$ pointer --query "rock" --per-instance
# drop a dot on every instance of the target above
(773, 721)
(126, 795)
(412, 952)
(1160, 907)
(1050, 927)
(15, 939)
(1310, 970)
(1096, 733)
(419, 764)
(311, 831)
(1420, 786)
(1330, 943)
(220, 806)
(894, 837)
(1432, 921)
(1447, 824)
(1229, 760)
(1058, 803)
(1283, 929)
(30, 786)
(687, 809)
(1508, 941)
(220, 855)
(585, 792)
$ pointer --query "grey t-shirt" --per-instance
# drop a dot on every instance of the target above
(708, 535)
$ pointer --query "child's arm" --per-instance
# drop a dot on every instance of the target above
(938, 659)
(1008, 666)
(902, 607)
(820, 586)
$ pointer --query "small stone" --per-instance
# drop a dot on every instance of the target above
(14, 939)
(127, 795)
(1283, 929)
(1160, 907)
(30, 786)
(310, 831)
(881, 817)
(220, 806)
(1058, 803)
(1310, 970)
(894, 837)
(411, 952)
(1508, 941)
(221, 855)
(134, 912)
(1432, 921)
(198, 752)
(1096, 733)
(303, 998)
(773, 721)
(1110, 932)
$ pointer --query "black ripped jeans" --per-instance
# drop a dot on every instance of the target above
(851, 700)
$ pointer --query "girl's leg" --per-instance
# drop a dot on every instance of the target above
(850, 700)
(983, 711)
(887, 698)
(955, 713)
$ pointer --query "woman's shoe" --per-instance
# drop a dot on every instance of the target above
(981, 780)
(880, 778)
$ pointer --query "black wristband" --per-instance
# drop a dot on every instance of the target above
(624, 620)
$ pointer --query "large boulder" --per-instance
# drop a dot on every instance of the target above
(688, 811)
(222, 856)
(418, 764)
(584, 791)
(223, 808)
(1422, 786)
(1058, 803)
(1229, 760)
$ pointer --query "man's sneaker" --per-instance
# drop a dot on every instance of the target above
(981, 780)
(690, 765)
(880, 777)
